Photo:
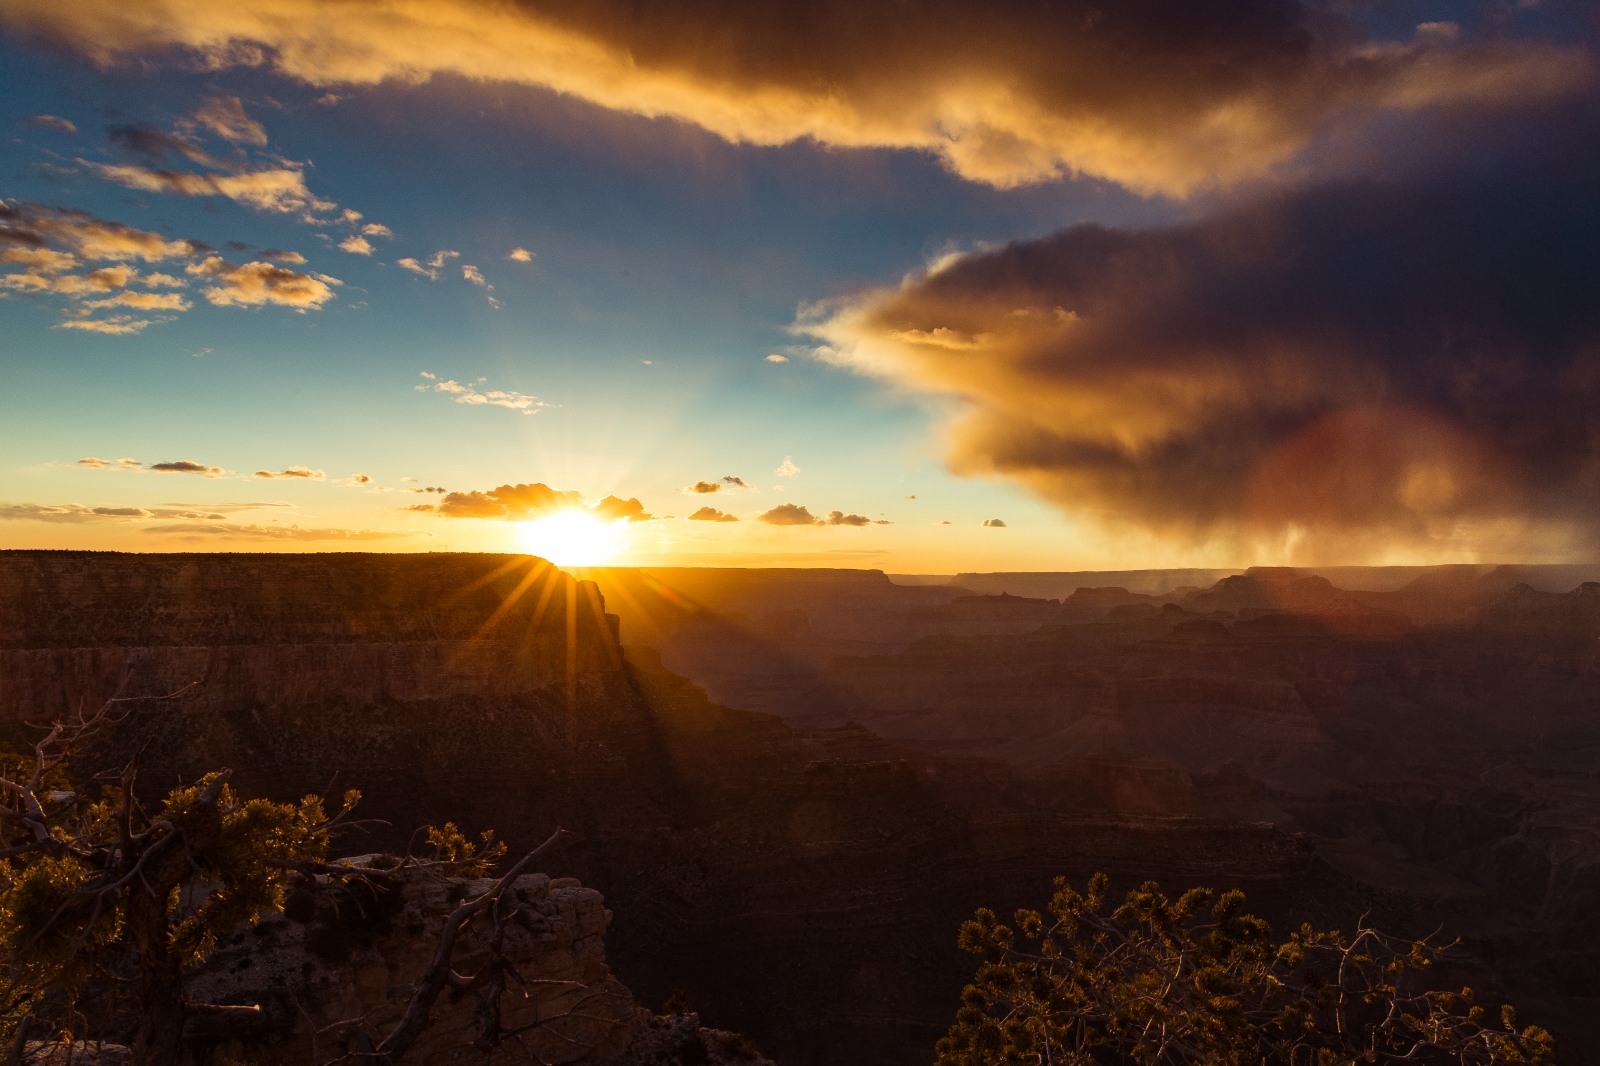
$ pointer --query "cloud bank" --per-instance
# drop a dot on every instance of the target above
(1158, 95)
(1359, 370)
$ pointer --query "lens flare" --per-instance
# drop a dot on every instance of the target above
(573, 538)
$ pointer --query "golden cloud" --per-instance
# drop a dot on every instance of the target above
(254, 284)
(1160, 95)
(281, 189)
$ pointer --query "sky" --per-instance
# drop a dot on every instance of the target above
(930, 288)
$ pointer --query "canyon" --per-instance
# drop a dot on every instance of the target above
(791, 786)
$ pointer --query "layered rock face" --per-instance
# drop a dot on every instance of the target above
(803, 880)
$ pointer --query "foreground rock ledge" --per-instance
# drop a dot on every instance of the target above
(342, 953)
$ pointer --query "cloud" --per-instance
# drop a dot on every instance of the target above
(1358, 370)
(469, 394)
(356, 245)
(908, 497)
(520, 503)
(154, 145)
(705, 487)
(354, 479)
(614, 508)
(377, 229)
(840, 518)
(993, 523)
(1159, 95)
(789, 514)
(157, 280)
(776, 358)
(280, 533)
(520, 255)
(788, 469)
(144, 301)
(474, 275)
(30, 225)
(942, 522)
(711, 514)
(116, 325)
(254, 284)
(225, 116)
(94, 463)
(431, 269)
(304, 472)
(279, 189)
(53, 122)
(282, 256)
(735, 482)
(68, 513)
(188, 466)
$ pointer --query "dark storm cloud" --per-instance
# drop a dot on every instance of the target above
(1341, 370)
(1159, 95)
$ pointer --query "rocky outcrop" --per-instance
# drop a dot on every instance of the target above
(341, 954)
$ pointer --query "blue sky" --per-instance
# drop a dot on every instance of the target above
(667, 265)
(670, 257)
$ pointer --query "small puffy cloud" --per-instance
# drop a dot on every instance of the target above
(994, 523)
(735, 482)
(281, 190)
(840, 518)
(942, 522)
(520, 255)
(225, 116)
(429, 269)
(254, 284)
(511, 502)
(776, 358)
(474, 275)
(377, 229)
(281, 256)
(188, 466)
(356, 245)
(68, 513)
(703, 487)
(471, 395)
(53, 122)
(788, 469)
(115, 326)
(711, 514)
(144, 301)
(159, 280)
(789, 514)
(30, 225)
(615, 509)
(41, 260)
(95, 463)
(304, 472)
(912, 497)
(354, 479)
(520, 503)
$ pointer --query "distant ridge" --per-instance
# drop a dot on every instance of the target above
(1551, 577)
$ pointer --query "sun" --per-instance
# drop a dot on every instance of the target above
(572, 538)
